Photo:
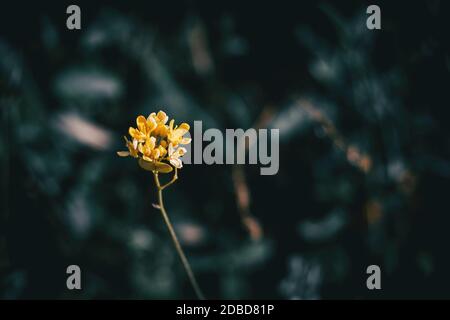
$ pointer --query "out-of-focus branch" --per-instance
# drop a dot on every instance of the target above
(353, 154)
(243, 203)
(241, 187)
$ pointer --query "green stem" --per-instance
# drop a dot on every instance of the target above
(175, 177)
(174, 237)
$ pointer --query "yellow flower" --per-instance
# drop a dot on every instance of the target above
(175, 135)
(132, 149)
(161, 119)
(161, 116)
(174, 156)
(144, 128)
(148, 149)
(156, 144)
(162, 151)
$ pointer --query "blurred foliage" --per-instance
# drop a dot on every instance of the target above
(364, 154)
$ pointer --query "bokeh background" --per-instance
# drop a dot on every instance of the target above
(364, 149)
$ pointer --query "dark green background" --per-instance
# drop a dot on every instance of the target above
(385, 92)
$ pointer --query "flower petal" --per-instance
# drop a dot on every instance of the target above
(141, 148)
(141, 122)
(184, 126)
(171, 149)
(176, 163)
(136, 134)
(162, 151)
(156, 153)
(162, 116)
(185, 140)
(123, 153)
(133, 132)
(151, 124)
(151, 142)
(181, 151)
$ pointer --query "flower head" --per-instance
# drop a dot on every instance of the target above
(132, 149)
(175, 135)
(156, 144)
(144, 128)
(174, 156)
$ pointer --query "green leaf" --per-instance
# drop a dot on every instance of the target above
(155, 166)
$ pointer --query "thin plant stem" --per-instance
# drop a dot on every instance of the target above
(173, 235)
(174, 178)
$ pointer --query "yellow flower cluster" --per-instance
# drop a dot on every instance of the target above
(157, 144)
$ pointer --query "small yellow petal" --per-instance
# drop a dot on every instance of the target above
(176, 163)
(171, 149)
(136, 134)
(147, 159)
(123, 153)
(151, 124)
(156, 153)
(176, 135)
(163, 131)
(184, 126)
(151, 142)
(134, 154)
(181, 151)
(162, 116)
(141, 122)
(185, 140)
(132, 132)
(162, 151)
